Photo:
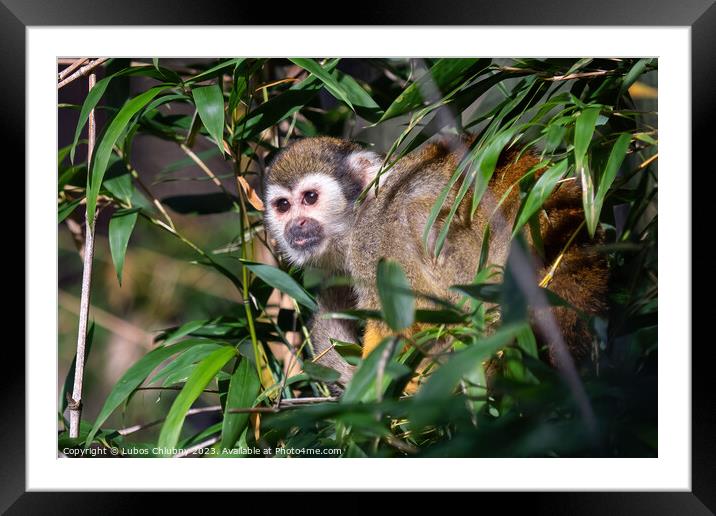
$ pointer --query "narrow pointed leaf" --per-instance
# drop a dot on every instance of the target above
(280, 107)
(283, 282)
(214, 70)
(616, 158)
(133, 378)
(396, 299)
(195, 385)
(66, 208)
(583, 132)
(210, 105)
(539, 193)
(243, 390)
(443, 76)
(121, 226)
(446, 378)
(332, 85)
(103, 151)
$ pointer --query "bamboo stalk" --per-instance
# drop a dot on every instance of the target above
(75, 404)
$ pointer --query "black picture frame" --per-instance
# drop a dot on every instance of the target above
(700, 15)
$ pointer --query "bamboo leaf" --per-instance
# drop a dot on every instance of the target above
(96, 93)
(283, 282)
(444, 75)
(616, 158)
(88, 105)
(325, 77)
(363, 103)
(280, 107)
(583, 132)
(132, 379)
(243, 390)
(634, 74)
(104, 149)
(66, 208)
(445, 379)
(539, 193)
(204, 372)
(210, 104)
(396, 299)
(121, 226)
(214, 70)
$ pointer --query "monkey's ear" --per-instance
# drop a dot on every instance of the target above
(364, 165)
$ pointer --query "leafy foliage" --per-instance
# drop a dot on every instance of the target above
(579, 115)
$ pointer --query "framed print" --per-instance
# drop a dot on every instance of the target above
(434, 252)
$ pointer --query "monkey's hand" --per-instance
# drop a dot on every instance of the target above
(323, 330)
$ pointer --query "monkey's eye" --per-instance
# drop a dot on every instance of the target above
(310, 197)
(282, 205)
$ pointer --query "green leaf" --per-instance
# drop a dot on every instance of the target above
(634, 74)
(103, 151)
(320, 372)
(179, 369)
(132, 379)
(279, 107)
(120, 186)
(487, 161)
(183, 330)
(443, 381)
(489, 292)
(276, 278)
(326, 78)
(214, 71)
(66, 208)
(94, 95)
(88, 105)
(210, 105)
(243, 390)
(539, 193)
(364, 104)
(364, 379)
(444, 75)
(396, 298)
(583, 131)
(195, 385)
(121, 226)
(616, 158)
(479, 173)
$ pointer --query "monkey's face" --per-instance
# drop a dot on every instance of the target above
(308, 219)
(309, 196)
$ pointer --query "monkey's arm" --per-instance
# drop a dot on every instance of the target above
(323, 330)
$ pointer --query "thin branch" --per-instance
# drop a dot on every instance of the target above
(133, 172)
(64, 73)
(81, 72)
(196, 159)
(75, 404)
(217, 408)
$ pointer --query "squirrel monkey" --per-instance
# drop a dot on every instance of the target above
(310, 192)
